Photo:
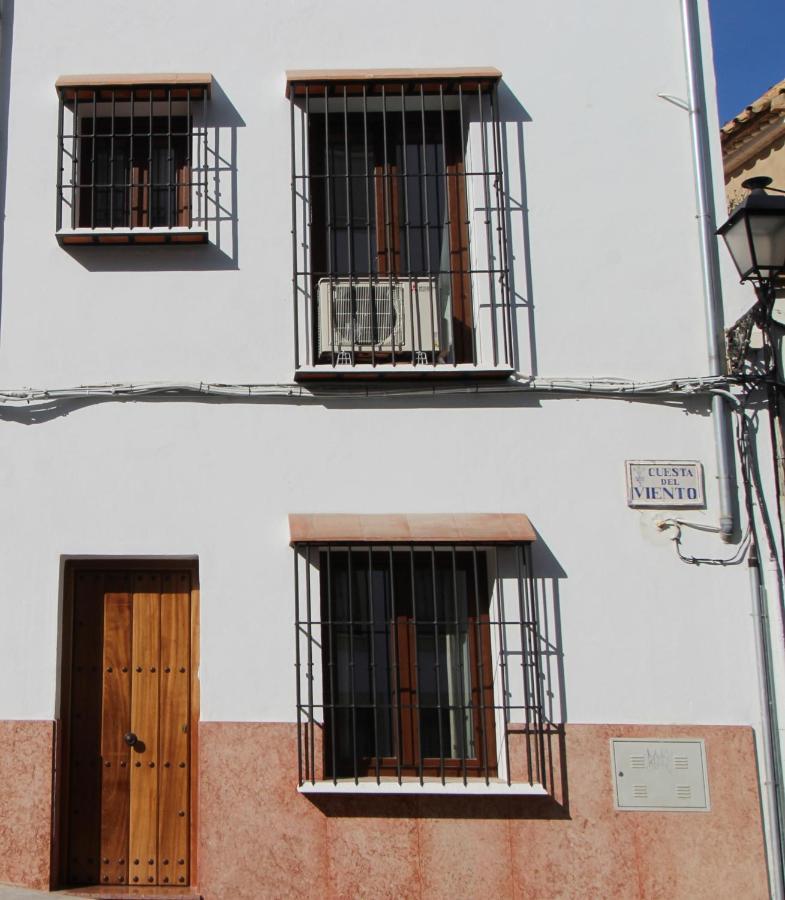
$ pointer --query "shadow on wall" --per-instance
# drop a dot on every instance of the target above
(54, 408)
(6, 42)
(220, 216)
(513, 116)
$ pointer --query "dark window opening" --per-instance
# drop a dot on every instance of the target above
(400, 232)
(134, 173)
(407, 663)
(389, 230)
(132, 160)
(418, 662)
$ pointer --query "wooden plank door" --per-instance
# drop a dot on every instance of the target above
(128, 818)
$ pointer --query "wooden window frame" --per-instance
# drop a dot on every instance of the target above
(402, 648)
(390, 220)
(137, 183)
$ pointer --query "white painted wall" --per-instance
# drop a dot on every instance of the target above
(615, 283)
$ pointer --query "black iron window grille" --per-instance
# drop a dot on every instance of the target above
(132, 160)
(417, 664)
(400, 253)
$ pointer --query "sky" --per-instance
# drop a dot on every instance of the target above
(749, 50)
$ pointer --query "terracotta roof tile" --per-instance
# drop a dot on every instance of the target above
(757, 113)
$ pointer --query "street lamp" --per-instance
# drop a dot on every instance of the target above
(755, 237)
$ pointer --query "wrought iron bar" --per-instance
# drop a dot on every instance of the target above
(60, 147)
(464, 724)
(297, 666)
(295, 297)
(488, 228)
(309, 653)
(372, 653)
(500, 224)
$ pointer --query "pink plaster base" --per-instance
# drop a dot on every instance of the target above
(259, 838)
(25, 802)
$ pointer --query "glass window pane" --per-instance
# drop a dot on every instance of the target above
(358, 638)
(444, 674)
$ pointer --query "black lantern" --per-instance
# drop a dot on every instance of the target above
(755, 234)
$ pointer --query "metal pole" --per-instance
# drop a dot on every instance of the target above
(709, 259)
(768, 726)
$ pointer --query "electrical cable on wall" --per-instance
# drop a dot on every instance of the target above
(669, 389)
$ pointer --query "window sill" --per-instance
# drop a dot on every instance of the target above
(86, 236)
(453, 787)
(400, 371)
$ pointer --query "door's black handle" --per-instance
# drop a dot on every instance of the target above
(130, 738)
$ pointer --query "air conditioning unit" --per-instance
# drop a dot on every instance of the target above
(380, 314)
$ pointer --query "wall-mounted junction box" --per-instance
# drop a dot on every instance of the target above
(659, 774)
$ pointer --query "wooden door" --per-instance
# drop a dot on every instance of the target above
(128, 745)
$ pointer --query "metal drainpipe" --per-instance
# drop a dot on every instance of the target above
(769, 729)
(769, 735)
(709, 260)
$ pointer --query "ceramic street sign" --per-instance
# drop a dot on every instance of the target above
(664, 483)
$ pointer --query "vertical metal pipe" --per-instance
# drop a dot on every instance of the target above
(769, 743)
(712, 290)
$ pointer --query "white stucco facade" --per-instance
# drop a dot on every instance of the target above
(607, 274)
(615, 289)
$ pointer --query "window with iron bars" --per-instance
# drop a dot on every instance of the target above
(400, 242)
(132, 159)
(416, 664)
